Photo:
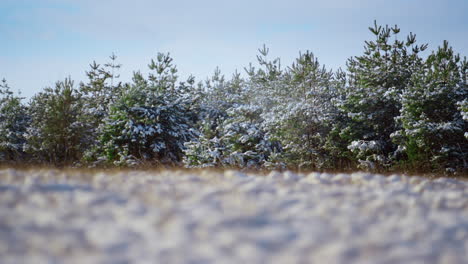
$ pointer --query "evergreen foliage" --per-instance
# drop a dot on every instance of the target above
(432, 134)
(301, 110)
(371, 100)
(56, 134)
(230, 128)
(13, 123)
(391, 109)
(151, 120)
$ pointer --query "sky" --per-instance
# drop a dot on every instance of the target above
(42, 41)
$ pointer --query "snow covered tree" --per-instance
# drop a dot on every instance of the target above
(463, 107)
(302, 112)
(101, 89)
(56, 131)
(13, 123)
(246, 142)
(432, 134)
(240, 141)
(214, 97)
(98, 93)
(151, 120)
(371, 100)
(230, 128)
(391, 109)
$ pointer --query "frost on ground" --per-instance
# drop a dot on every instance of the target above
(52, 216)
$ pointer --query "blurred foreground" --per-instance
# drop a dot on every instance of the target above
(53, 216)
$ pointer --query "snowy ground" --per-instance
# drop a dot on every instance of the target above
(51, 216)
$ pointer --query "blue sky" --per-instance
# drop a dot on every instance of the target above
(42, 41)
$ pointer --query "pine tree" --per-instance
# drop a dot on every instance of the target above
(13, 123)
(463, 107)
(432, 134)
(301, 116)
(214, 97)
(101, 90)
(151, 120)
(230, 127)
(57, 131)
(371, 100)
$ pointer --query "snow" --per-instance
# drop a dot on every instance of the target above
(53, 216)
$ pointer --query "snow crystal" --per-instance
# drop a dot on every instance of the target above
(230, 217)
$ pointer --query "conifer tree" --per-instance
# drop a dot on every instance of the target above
(231, 130)
(463, 107)
(214, 97)
(98, 93)
(371, 100)
(57, 131)
(101, 89)
(13, 123)
(151, 119)
(432, 134)
(301, 116)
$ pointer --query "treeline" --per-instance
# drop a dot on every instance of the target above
(392, 109)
